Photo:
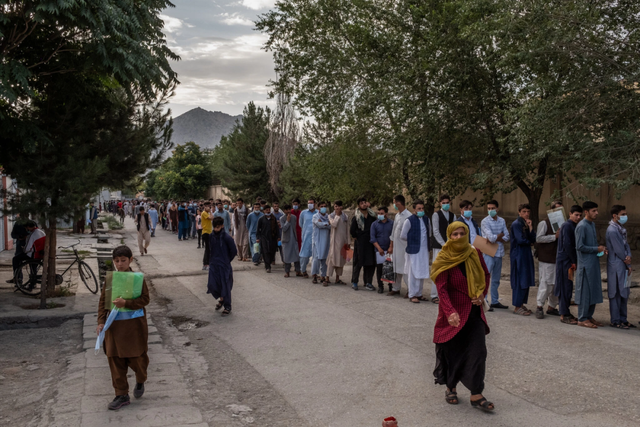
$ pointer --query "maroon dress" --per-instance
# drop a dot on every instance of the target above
(461, 351)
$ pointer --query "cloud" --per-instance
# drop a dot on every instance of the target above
(172, 25)
(236, 19)
(258, 4)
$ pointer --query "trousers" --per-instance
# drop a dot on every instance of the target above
(205, 241)
(585, 312)
(494, 265)
(547, 274)
(287, 266)
(144, 239)
(304, 262)
(119, 367)
(618, 308)
(319, 267)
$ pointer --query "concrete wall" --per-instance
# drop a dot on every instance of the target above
(216, 192)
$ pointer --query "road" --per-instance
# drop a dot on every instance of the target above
(302, 354)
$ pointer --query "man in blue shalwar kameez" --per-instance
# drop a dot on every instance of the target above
(522, 267)
(588, 278)
(306, 225)
(252, 228)
(320, 244)
(223, 250)
(567, 259)
(618, 268)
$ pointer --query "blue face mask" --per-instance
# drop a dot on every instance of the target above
(295, 207)
(467, 214)
(420, 214)
(446, 207)
(395, 207)
(623, 219)
(323, 210)
(381, 217)
(311, 206)
(226, 206)
(493, 213)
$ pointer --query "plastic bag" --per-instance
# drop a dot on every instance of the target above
(256, 248)
(388, 274)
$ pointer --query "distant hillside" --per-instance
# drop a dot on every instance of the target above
(203, 127)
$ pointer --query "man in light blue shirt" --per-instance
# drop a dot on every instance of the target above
(494, 229)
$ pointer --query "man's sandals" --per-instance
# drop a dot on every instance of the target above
(451, 397)
(587, 324)
(483, 404)
(226, 312)
(219, 305)
(315, 279)
(522, 311)
(569, 320)
(326, 281)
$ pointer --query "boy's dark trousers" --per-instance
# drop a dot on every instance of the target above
(205, 240)
(119, 367)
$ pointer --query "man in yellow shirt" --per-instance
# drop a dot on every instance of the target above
(207, 229)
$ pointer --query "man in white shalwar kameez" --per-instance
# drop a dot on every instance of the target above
(416, 231)
(398, 247)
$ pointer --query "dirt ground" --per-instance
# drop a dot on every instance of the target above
(31, 363)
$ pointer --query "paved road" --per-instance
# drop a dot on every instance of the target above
(302, 354)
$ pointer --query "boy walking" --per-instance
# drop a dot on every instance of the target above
(125, 342)
(223, 251)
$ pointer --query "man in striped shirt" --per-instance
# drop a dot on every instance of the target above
(494, 229)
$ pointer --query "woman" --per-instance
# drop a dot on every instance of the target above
(461, 277)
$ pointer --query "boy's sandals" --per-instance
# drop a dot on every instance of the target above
(522, 312)
(569, 320)
(483, 404)
(219, 305)
(226, 312)
(451, 397)
(587, 324)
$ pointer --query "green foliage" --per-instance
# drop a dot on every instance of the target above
(186, 174)
(239, 160)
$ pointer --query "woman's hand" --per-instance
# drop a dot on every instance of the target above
(476, 301)
(119, 302)
(454, 320)
(99, 329)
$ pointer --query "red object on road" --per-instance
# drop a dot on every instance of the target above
(390, 422)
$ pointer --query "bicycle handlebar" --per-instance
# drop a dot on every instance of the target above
(70, 246)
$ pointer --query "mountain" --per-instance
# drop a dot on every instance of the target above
(203, 127)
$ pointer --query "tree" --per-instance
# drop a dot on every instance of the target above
(239, 159)
(186, 174)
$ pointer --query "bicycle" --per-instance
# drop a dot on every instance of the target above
(32, 269)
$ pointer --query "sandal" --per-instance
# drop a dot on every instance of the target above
(630, 325)
(415, 300)
(326, 279)
(315, 279)
(619, 325)
(526, 309)
(305, 275)
(421, 298)
(521, 311)
(595, 322)
(226, 312)
(568, 320)
(451, 397)
(286, 274)
(483, 404)
(435, 300)
(587, 324)
(219, 305)
(298, 274)
(340, 282)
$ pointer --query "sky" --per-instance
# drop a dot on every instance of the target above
(222, 65)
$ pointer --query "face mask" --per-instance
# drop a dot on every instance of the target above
(295, 207)
(261, 208)
(226, 206)
(622, 219)
(395, 207)
(323, 210)
(420, 214)
(467, 214)
(381, 217)
(268, 215)
(493, 213)
(446, 207)
(311, 205)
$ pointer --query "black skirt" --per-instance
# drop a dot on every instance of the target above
(463, 358)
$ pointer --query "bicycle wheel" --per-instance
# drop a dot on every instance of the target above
(88, 278)
(28, 277)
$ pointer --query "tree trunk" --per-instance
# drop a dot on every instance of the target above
(43, 287)
(51, 272)
(533, 198)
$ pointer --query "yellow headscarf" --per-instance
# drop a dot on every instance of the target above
(455, 252)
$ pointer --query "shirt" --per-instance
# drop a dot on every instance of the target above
(381, 233)
(207, 227)
(435, 224)
(491, 228)
(472, 229)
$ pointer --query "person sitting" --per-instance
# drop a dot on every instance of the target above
(34, 248)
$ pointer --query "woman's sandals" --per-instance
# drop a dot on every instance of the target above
(483, 404)
(451, 397)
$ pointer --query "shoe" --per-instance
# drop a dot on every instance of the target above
(498, 305)
(256, 264)
(553, 311)
(354, 286)
(199, 248)
(11, 281)
(138, 391)
(179, 240)
(119, 402)
(286, 274)
(380, 289)
(145, 250)
(490, 309)
(539, 313)
(370, 287)
(205, 267)
(268, 270)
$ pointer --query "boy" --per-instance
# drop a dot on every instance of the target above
(223, 251)
(125, 342)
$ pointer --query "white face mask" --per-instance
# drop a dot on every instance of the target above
(311, 206)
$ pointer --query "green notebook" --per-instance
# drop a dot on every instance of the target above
(122, 284)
